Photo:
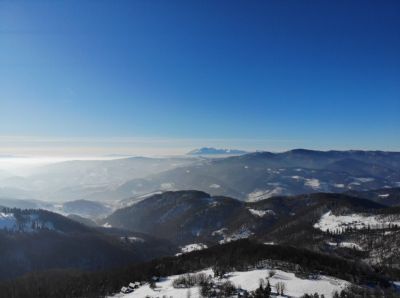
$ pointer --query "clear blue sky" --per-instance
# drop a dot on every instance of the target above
(255, 74)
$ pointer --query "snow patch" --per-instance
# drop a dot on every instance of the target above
(191, 247)
(132, 239)
(215, 186)
(259, 195)
(269, 243)
(312, 183)
(242, 233)
(364, 179)
(7, 221)
(351, 245)
(167, 186)
(261, 213)
(219, 232)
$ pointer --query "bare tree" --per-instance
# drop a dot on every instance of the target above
(280, 288)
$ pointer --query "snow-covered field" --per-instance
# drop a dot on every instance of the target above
(351, 245)
(192, 247)
(312, 183)
(332, 222)
(248, 280)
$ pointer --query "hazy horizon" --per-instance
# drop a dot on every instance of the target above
(81, 148)
(100, 153)
(23, 164)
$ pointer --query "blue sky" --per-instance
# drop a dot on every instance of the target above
(112, 76)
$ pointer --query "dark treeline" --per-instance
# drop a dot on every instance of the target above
(237, 255)
(40, 240)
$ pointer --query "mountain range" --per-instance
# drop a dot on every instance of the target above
(261, 175)
(104, 214)
(324, 222)
(352, 226)
(84, 179)
(213, 151)
(310, 235)
(248, 177)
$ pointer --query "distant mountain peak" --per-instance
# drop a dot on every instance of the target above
(215, 151)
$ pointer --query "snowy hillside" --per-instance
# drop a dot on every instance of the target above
(261, 175)
(331, 222)
(191, 247)
(249, 281)
(22, 222)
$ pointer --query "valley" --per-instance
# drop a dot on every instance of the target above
(355, 222)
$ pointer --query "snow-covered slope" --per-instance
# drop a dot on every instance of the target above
(34, 240)
(261, 213)
(331, 222)
(9, 221)
(186, 217)
(191, 247)
(248, 280)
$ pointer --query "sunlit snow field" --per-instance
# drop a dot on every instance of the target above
(248, 280)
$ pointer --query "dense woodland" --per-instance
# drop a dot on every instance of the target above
(42, 240)
(237, 255)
